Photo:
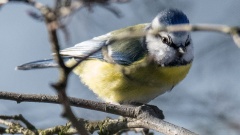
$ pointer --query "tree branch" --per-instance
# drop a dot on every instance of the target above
(150, 117)
(107, 126)
(122, 110)
(233, 31)
(15, 128)
(21, 118)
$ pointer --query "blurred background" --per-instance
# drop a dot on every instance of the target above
(206, 102)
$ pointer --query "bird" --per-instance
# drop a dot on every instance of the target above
(131, 70)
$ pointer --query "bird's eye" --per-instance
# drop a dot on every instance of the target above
(166, 40)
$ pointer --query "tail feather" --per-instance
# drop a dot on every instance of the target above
(48, 63)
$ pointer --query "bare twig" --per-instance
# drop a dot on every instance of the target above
(234, 31)
(6, 123)
(129, 34)
(51, 20)
(108, 126)
(13, 128)
(85, 57)
(142, 113)
(60, 86)
(21, 118)
(88, 104)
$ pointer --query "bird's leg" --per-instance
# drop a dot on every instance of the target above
(152, 109)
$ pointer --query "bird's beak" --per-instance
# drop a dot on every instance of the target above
(181, 50)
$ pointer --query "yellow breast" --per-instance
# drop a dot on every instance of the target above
(125, 84)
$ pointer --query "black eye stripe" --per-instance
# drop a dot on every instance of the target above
(168, 40)
(173, 45)
(158, 36)
(188, 41)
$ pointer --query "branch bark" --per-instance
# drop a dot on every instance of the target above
(142, 116)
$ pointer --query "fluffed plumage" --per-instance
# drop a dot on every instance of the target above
(133, 69)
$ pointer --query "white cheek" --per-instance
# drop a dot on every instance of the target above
(162, 53)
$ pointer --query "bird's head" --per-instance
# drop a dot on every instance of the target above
(169, 48)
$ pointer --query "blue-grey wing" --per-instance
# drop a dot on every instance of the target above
(84, 49)
(125, 52)
(46, 63)
(122, 52)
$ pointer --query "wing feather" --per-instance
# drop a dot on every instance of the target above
(122, 52)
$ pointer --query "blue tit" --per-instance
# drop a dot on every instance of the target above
(132, 70)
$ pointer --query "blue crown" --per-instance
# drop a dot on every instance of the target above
(172, 16)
